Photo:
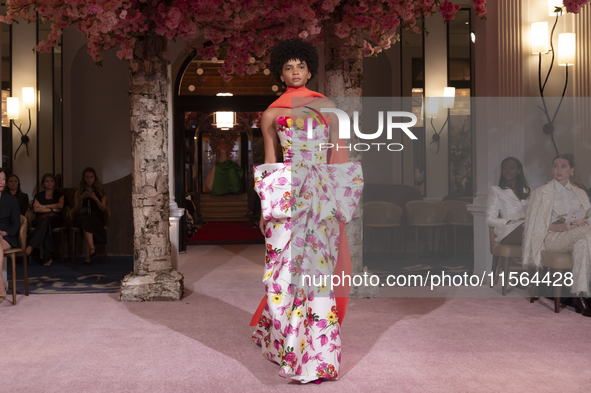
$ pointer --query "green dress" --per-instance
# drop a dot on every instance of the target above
(226, 177)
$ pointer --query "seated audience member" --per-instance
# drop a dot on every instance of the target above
(13, 183)
(48, 205)
(547, 228)
(90, 201)
(509, 201)
(10, 223)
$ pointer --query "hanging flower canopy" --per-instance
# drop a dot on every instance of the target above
(247, 28)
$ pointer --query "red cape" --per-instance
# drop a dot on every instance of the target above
(303, 96)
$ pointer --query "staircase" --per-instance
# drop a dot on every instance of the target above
(231, 207)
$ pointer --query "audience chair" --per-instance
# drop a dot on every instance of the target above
(556, 262)
(61, 230)
(505, 252)
(380, 215)
(74, 231)
(12, 252)
(458, 216)
(422, 214)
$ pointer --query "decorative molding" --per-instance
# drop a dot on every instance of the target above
(582, 68)
(510, 49)
(582, 94)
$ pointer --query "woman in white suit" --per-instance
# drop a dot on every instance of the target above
(507, 203)
(552, 226)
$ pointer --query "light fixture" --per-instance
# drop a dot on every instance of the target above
(432, 112)
(566, 57)
(566, 49)
(12, 108)
(473, 37)
(214, 59)
(28, 97)
(449, 95)
(224, 119)
(432, 107)
(539, 37)
(275, 88)
(224, 94)
(199, 71)
(191, 88)
(266, 71)
(252, 60)
(553, 5)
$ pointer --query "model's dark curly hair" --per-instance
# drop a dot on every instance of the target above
(294, 49)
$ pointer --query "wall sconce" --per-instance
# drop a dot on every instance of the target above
(539, 37)
(12, 111)
(432, 112)
(566, 57)
(12, 106)
(224, 120)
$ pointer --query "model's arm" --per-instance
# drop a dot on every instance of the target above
(269, 136)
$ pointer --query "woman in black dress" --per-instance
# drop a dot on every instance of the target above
(48, 207)
(90, 201)
(13, 183)
(10, 222)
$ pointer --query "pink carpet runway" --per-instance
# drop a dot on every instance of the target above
(94, 343)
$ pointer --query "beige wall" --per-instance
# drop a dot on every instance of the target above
(96, 113)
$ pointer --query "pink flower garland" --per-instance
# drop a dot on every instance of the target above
(245, 28)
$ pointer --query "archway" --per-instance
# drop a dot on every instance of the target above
(199, 92)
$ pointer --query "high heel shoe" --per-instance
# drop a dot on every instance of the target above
(582, 306)
(93, 253)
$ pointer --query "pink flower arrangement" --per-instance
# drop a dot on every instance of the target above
(448, 10)
(574, 6)
(245, 28)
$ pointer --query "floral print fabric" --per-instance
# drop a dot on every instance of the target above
(303, 200)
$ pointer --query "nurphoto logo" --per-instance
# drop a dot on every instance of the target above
(345, 128)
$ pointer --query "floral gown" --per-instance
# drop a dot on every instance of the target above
(303, 199)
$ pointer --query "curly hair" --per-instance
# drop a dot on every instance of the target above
(294, 49)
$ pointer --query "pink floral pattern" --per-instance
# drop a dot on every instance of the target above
(303, 199)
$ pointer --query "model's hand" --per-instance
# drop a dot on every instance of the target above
(581, 222)
(262, 225)
(2, 233)
(567, 226)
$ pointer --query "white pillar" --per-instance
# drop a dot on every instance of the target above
(24, 74)
(175, 212)
(436, 172)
